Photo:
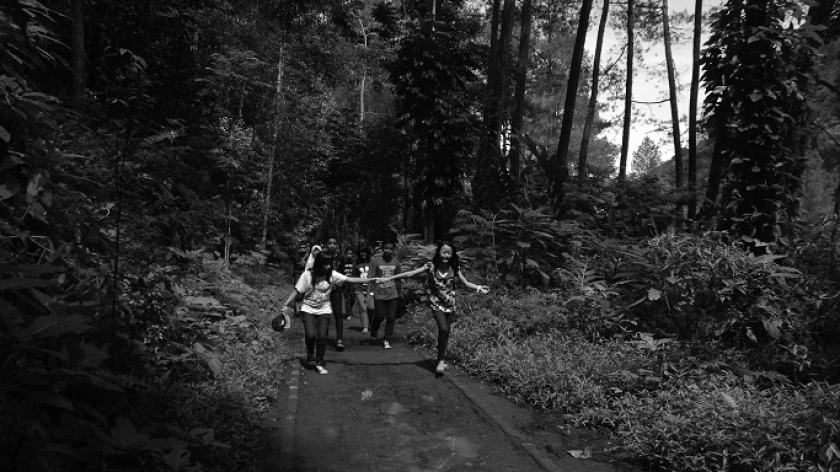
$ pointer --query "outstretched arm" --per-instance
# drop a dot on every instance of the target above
(358, 280)
(404, 275)
(482, 289)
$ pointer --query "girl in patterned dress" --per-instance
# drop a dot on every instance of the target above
(443, 271)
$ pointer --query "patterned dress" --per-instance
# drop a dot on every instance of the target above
(441, 290)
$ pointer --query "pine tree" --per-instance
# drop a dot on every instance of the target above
(647, 157)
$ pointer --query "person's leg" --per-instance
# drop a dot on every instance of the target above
(379, 315)
(443, 332)
(349, 298)
(322, 322)
(371, 314)
(390, 317)
(337, 302)
(309, 336)
(363, 311)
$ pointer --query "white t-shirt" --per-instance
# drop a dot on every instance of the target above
(316, 300)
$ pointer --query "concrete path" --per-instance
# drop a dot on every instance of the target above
(384, 410)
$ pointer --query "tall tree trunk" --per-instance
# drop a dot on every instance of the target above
(499, 93)
(79, 56)
(494, 35)
(836, 214)
(572, 84)
(562, 156)
(692, 110)
(715, 171)
(364, 77)
(593, 96)
(521, 83)
(672, 93)
(278, 117)
(488, 173)
(628, 94)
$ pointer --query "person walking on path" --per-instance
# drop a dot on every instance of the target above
(386, 293)
(299, 260)
(443, 271)
(348, 292)
(363, 292)
(314, 288)
(336, 299)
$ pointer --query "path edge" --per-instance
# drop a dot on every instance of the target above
(287, 432)
(542, 458)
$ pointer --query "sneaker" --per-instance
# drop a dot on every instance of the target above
(441, 366)
(386, 344)
(321, 370)
(365, 330)
(339, 345)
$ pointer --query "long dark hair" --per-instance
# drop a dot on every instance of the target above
(319, 267)
(363, 254)
(453, 261)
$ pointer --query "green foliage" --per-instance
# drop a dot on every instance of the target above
(525, 347)
(701, 288)
(63, 403)
(756, 110)
(518, 245)
(726, 422)
(709, 288)
(435, 87)
(674, 407)
(647, 157)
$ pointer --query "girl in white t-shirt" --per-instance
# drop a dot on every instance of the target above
(314, 287)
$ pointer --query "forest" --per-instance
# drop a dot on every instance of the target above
(682, 296)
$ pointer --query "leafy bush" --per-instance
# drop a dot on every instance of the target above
(518, 246)
(525, 348)
(725, 422)
(701, 288)
(64, 405)
(643, 208)
(675, 407)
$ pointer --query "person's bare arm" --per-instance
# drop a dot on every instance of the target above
(482, 289)
(404, 275)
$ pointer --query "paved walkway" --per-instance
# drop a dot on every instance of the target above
(384, 410)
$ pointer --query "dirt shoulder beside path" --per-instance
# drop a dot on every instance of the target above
(386, 410)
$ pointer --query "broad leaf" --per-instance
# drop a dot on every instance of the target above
(54, 325)
(125, 435)
(215, 366)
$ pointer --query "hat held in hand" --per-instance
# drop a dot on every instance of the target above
(280, 322)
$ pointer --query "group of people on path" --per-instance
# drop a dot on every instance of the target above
(327, 286)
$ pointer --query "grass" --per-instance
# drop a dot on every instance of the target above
(674, 407)
(239, 404)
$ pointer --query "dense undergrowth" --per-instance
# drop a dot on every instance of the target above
(698, 356)
(180, 379)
